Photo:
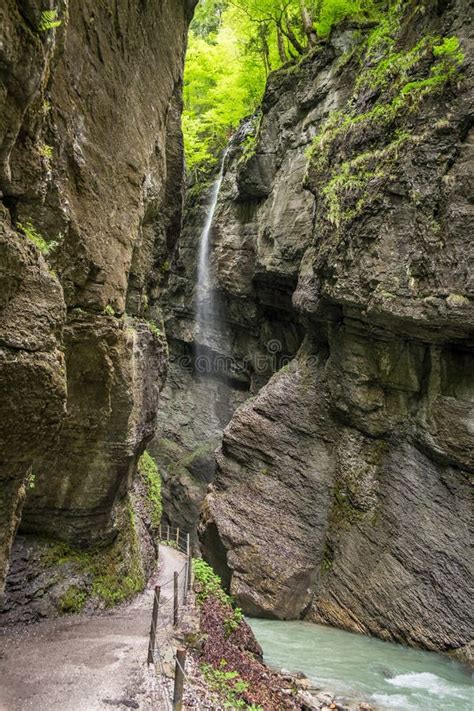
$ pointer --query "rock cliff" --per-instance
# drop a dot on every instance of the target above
(91, 172)
(249, 330)
(342, 235)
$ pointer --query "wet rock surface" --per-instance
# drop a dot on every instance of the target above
(342, 489)
(91, 172)
(249, 332)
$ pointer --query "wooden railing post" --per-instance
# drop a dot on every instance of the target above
(177, 537)
(168, 532)
(154, 619)
(179, 680)
(175, 599)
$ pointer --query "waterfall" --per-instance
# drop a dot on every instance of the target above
(206, 313)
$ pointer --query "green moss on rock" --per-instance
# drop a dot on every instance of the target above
(73, 600)
(109, 574)
(343, 514)
(391, 85)
(119, 572)
(148, 471)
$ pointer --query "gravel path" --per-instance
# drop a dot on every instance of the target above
(85, 663)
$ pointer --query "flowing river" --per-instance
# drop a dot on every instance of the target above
(388, 675)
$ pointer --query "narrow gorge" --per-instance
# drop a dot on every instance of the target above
(342, 374)
(270, 347)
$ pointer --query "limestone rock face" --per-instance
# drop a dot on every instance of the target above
(32, 375)
(342, 489)
(91, 171)
(277, 448)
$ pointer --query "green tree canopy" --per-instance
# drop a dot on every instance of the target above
(233, 45)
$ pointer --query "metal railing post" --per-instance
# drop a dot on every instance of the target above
(154, 619)
(175, 599)
(185, 582)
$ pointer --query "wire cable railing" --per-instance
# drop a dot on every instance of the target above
(175, 537)
(166, 616)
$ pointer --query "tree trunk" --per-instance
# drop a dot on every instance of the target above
(307, 20)
(288, 32)
(265, 50)
(281, 46)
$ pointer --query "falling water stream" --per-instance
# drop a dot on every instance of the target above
(206, 313)
(390, 676)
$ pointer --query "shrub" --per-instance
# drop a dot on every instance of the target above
(157, 333)
(209, 582)
(28, 229)
(229, 685)
(209, 585)
(45, 150)
(49, 20)
(232, 623)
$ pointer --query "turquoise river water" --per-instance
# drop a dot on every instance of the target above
(388, 675)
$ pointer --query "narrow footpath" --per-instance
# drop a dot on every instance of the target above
(86, 662)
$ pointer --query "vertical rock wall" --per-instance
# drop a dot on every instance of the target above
(342, 491)
(248, 334)
(91, 170)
